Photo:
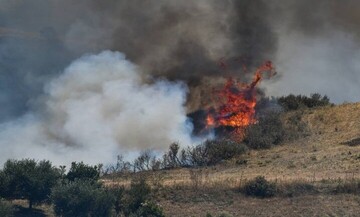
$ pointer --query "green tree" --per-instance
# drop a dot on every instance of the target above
(28, 179)
(82, 198)
(83, 171)
(138, 194)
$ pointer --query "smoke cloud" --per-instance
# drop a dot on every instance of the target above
(178, 40)
(318, 50)
(96, 109)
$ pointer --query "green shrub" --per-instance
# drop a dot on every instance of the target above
(138, 194)
(267, 132)
(118, 194)
(83, 171)
(28, 179)
(292, 102)
(259, 187)
(6, 209)
(82, 198)
(149, 209)
(219, 150)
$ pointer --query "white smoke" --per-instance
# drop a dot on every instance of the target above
(99, 107)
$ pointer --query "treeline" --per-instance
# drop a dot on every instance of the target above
(77, 193)
(292, 102)
(269, 131)
(208, 153)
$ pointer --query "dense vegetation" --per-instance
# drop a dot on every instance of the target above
(28, 179)
(79, 193)
(292, 102)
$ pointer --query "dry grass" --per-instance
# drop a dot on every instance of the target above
(314, 174)
(238, 205)
(21, 209)
(320, 160)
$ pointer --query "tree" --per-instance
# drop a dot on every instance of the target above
(83, 171)
(144, 161)
(28, 179)
(121, 166)
(82, 198)
(292, 102)
(138, 194)
(170, 159)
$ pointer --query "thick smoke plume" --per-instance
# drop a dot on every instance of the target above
(97, 108)
(179, 40)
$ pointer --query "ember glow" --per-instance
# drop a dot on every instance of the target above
(236, 101)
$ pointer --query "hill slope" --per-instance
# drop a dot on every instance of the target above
(321, 158)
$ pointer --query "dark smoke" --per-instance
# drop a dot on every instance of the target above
(178, 40)
(184, 40)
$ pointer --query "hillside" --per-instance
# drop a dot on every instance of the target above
(321, 158)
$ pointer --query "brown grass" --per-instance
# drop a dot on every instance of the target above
(316, 175)
(320, 159)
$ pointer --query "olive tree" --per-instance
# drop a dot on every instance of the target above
(28, 179)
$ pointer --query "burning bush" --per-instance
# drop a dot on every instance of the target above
(236, 102)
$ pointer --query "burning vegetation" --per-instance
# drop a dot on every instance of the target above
(234, 104)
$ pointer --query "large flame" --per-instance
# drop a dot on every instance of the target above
(235, 103)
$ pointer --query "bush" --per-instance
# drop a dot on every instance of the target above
(267, 132)
(28, 179)
(82, 198)
(223, 150)
(348, 187)
(138, 194)
(212, 152)
(83, 171)
(259, 187)
(6, 209)
(171, 159)
(292, 102)
(118, 194)
(296, 188)
(149, 209)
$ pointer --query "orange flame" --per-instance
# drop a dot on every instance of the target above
(236, 104)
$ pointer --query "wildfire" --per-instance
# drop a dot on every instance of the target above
(236, 102)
